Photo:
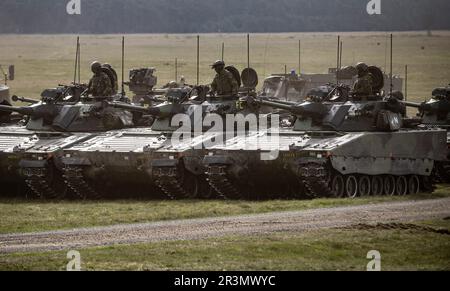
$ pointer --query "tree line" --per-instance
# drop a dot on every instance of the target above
(203, 16)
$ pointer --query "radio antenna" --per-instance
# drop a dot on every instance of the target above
(390, 74)
(299, 56)
(337, 62)
(406, 82)
(79, 62)
(385, 51)
(176, 70)
(248, 58)
(248, 51)
(198, 59)
(123, 66)
(76, 60)
(223, 51)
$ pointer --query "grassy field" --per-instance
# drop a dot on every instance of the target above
(43, 61)
(18, 216)
(336, 249)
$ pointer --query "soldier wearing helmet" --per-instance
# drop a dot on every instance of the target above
(363, 86)
(100, 84)
(224, 84)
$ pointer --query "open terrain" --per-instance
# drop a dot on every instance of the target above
(331, 239)
(294, 221)
(19, 215)
(43, 61)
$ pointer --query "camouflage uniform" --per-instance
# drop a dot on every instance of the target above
(100, 85)
(225, 84)
(363, 86)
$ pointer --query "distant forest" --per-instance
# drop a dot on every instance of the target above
(202, 16)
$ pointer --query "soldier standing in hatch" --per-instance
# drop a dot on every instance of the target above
(100, 83)
(224, 84)
(363, 86)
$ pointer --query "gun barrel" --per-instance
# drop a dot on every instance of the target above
(307, 109)
(134, 108)
(412, 104)
(283, 101)
(20, 110)
(275, 104)
(24, 99)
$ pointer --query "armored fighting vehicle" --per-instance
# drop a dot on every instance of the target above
(13, 136)
(345, 145)
(435, 113)
(64, 117)
(161, 155)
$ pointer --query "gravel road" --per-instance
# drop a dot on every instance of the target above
(191, 229)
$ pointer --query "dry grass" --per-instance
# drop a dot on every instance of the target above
(45, 60)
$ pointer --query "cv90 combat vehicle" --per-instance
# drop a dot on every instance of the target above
(13, 136)
(345, 145)
(435, 113)
(64, 117)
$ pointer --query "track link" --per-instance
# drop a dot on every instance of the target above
(315, 178)
(168, 180)
(218, 180)
(37, 180)
(75, 180)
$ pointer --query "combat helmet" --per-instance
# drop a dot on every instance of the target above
(362, 68)
(218, 63)
(96, 66)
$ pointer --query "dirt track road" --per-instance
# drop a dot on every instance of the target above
(295, 221)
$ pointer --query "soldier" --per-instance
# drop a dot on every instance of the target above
(224, 83)
(114, 75)
(100, 84)
(363, 86)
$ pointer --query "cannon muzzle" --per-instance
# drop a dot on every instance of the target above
(40, 111)
(412, 104)
(20, 110)
(432, 106)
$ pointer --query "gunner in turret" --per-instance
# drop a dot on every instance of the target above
(100, 84)
(364, 85)
(224, 84)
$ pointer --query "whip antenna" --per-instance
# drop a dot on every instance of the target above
(337, 61)
(390, 74)
(123, 66)
(76, 60)
(198, 59)
(223, 51)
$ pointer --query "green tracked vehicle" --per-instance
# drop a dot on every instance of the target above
(343, 146)
(435, 113)
(64, 117)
